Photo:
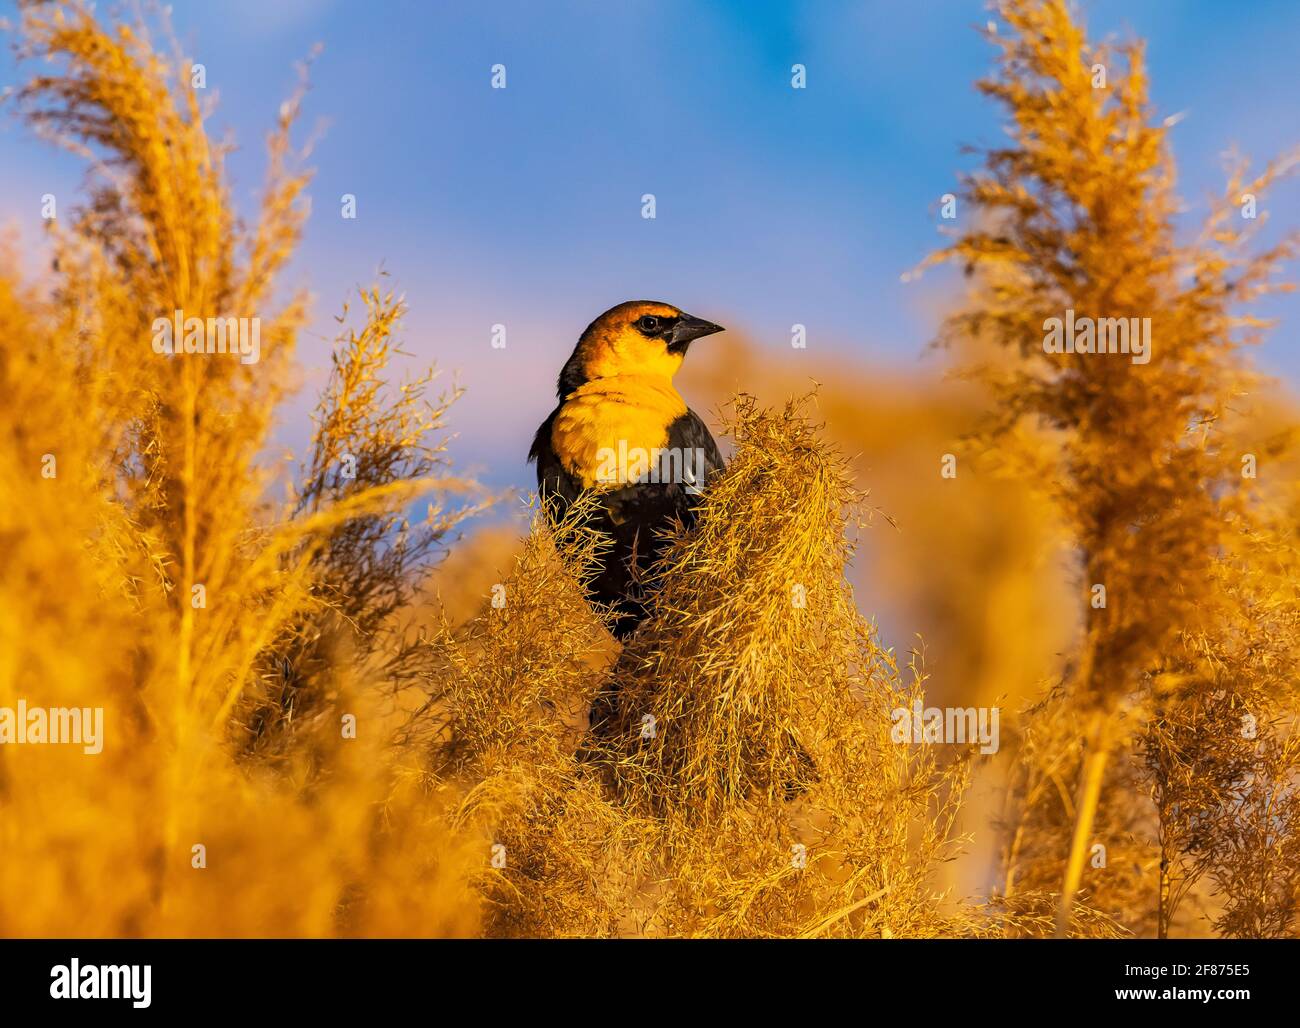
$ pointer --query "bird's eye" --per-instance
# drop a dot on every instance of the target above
(649, 323)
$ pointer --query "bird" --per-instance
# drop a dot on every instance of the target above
(622, 430)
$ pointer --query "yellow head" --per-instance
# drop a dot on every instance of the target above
(636, 338)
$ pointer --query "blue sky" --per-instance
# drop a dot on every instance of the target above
(522, 206)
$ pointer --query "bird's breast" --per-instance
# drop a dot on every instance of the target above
(612, 431)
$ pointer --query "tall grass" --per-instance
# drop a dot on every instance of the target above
(148, 574)
(1078, 211)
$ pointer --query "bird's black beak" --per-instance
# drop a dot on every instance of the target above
(687, 330)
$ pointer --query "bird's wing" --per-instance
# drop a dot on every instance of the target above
(552, 479)
(688, 433)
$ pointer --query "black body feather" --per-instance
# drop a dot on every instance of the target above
(634, 516)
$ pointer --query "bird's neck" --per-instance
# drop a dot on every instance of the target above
(650, 390)
(615, 414)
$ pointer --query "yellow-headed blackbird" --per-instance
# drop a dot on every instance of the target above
(622, 430)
